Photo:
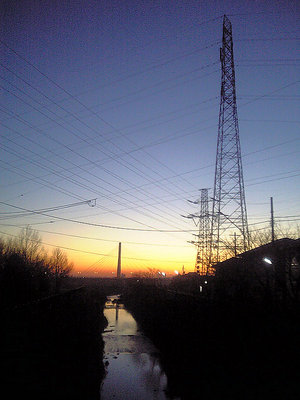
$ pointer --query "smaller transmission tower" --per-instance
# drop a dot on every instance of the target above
(203, 237)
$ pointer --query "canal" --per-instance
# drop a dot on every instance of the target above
(133, 370)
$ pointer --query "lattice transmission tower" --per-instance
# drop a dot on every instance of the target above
(229, 215)
(202, 241)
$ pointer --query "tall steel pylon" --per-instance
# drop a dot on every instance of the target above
(229, 215)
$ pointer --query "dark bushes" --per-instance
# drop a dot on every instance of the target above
(212, 350)
(26, 272)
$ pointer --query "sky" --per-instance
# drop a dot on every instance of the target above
(109, 120)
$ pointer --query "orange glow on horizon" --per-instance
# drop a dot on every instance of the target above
(140, 254)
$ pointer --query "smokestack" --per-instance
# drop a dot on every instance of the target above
(119, 262)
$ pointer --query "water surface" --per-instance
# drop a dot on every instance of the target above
(132, 364)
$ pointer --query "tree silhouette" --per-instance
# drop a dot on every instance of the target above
(59, 266)
(26, 272)
(28, 244)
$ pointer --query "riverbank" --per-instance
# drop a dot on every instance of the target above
(52, 348)
(212, 350)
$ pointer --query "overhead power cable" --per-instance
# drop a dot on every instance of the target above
(100, 225)
(39, 131)
(172, 137)
(151, 68)
(98, 239)
(70, 179)
(117, 213)
(92, 203)
(255, 99)
(88, 109)
(266, 39)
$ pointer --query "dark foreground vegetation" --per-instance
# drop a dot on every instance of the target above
(52, 348)
(50, 336)
(218, 349)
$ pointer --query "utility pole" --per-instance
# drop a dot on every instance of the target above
(229, 213)
(119, 262)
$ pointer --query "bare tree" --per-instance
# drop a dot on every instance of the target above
(59, 265)
(28, 244)
(150, 273)
(260, 237)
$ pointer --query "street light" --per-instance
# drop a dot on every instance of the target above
(267, 261)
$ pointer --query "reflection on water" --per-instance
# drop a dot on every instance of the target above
(133, 370)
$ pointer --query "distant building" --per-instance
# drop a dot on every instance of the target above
(191, 283)
(270, 272)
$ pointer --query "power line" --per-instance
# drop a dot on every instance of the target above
(270, 93)
(278, 174)
(79, 102)
(92, 203)
(253, 60)
(141, 147)
(163, 82)
(115, 212)
(100, 225)
(266, 39)
(125, 128)
(282, 64)
(101, 239)
(150, 68)
(265, 148)
(270, 120)
(272, 180)
(70, 150)
(102, 207)
(77, 167)
(260, 96)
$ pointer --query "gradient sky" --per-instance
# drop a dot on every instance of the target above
(118, 101)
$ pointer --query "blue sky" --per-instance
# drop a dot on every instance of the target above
(119, 100)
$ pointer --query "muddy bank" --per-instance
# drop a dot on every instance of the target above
(212, 350)
(52, 349)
